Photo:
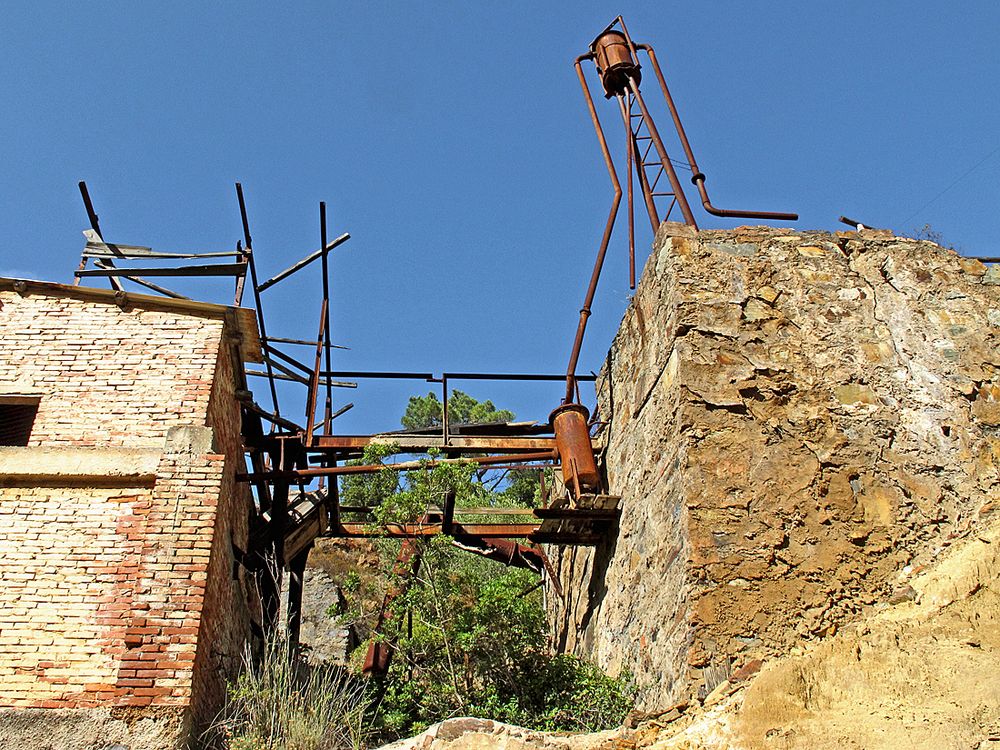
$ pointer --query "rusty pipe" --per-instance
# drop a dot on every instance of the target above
(605, 239)
(697, 176)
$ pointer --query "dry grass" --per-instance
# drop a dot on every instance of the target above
(280, 703)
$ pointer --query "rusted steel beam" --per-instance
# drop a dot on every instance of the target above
(142, 282)
(477, 443)
(297, 474)
(304, 262)
(420, 530)
(379, 655)
(375, 375)
(697, 177)
(259, 374)
(306, 370)
(304, 342)
(510, 376)
(324, 335)
(314, 376)
(503, 551)
(289, 374)
(259, 308)
(605, 238)
(219, 269)
(481, 511)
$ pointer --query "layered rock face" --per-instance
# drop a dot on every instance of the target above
(798, 423)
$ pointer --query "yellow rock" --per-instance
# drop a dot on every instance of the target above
(878, 504)
(854, 393)
(972, 267)
(768, 293)
(811, 251)
(880, 351)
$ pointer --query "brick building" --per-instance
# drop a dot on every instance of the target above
(122, 608)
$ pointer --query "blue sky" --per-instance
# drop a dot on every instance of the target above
(451, 140)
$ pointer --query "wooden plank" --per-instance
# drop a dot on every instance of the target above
(134, 252)
(566, 539)
(98, 247)
(598, 502)
(142, 282)
(572, 514)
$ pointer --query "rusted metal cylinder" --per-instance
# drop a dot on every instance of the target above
(614, 61)
(576, 453)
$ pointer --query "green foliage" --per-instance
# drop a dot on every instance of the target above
(469, 635)
(427, 411)
(475, 645)
(280, 703)
(428, 487)
(368, 490)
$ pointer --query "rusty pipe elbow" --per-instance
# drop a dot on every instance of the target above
(698, 179)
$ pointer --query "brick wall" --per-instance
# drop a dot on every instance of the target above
(107, 376)
(117, 592)
(231, 603)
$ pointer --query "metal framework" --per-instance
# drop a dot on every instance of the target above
(616, 59)
(294, 460)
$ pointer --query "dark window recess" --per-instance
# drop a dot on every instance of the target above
(16, 421)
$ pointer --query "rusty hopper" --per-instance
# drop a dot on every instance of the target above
(579, 470)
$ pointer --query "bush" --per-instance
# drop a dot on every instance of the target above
(474, 643)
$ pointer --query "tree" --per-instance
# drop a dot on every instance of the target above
(474, 638)
(427, 411)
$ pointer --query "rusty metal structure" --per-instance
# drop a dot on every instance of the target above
(616, 59)
(295, 460)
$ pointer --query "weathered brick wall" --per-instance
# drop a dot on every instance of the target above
(231, 604)
(117, 593)
(799, 422)
(107, 376)
(62, 565)
(102, 589)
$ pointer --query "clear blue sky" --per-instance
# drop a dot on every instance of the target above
(451, 140)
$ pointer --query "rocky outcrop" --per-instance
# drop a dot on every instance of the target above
(799, 423)
(467, 733)
(920, 673)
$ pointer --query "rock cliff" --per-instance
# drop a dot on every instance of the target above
(798, 424)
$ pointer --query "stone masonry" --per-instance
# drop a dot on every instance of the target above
(799, 422)
(121, 609)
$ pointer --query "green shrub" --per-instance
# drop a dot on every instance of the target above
(474, 643)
